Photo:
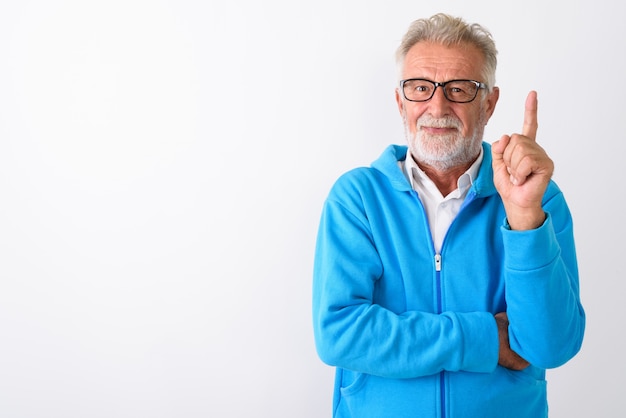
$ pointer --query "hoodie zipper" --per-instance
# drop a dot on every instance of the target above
(438, 282)
(438, 264)
(437, 260)
(442, 375)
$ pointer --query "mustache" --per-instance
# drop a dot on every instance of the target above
(443, 122)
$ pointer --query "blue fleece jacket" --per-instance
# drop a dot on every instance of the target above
(412, 333)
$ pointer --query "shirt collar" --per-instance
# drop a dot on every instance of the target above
(417, 176)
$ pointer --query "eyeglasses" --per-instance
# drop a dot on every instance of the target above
(457, 91)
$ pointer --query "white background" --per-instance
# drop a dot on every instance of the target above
(162, 170)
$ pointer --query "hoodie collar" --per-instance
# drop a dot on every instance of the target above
(388, 165)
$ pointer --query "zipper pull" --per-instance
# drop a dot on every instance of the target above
(437, 262)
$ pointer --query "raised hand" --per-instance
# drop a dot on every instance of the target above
(522, 171)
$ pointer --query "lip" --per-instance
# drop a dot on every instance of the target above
(437, 130)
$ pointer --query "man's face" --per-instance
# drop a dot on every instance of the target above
(441, 133)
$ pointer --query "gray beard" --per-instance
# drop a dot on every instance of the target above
(444, 152)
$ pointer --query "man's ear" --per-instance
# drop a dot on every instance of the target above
(492, 99)
(400, 102)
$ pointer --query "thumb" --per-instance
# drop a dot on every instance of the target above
(498, 147)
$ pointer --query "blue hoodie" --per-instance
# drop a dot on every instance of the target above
(411, 332)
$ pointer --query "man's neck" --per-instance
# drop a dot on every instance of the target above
(445, 180)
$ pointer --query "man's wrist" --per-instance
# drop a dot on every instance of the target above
(525, 220)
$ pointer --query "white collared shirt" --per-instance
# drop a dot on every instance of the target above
(440, 210)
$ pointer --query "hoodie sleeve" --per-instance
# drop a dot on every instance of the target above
(547, 320)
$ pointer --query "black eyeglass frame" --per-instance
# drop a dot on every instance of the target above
(436, 84)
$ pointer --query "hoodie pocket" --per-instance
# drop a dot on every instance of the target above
(525, 376)
(354, 382)
(368, 396)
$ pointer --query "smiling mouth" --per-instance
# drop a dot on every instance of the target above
(438, 129)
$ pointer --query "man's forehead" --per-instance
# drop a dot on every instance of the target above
(459, 60)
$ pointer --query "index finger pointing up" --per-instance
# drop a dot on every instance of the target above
(530, 116)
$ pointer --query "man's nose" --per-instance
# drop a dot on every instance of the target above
(438, 104)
